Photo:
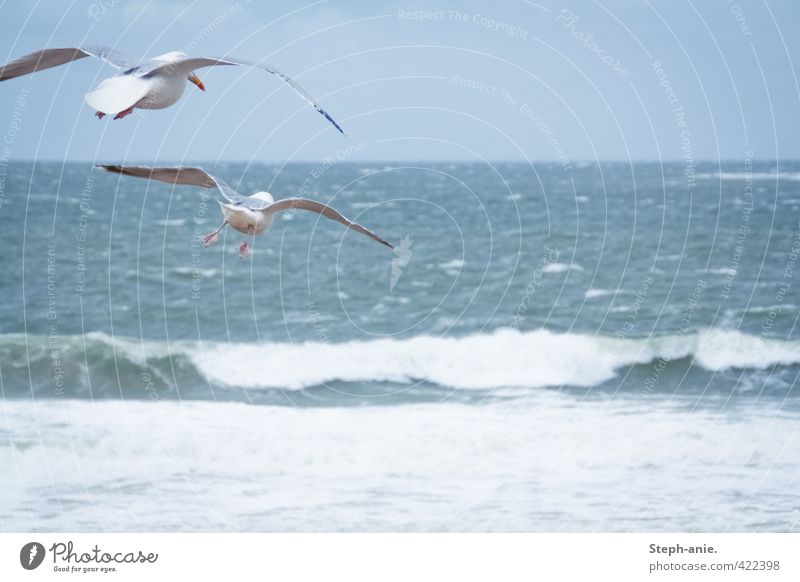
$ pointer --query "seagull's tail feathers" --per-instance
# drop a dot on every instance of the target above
(117, 94)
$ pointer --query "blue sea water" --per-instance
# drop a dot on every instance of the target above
(606, 347)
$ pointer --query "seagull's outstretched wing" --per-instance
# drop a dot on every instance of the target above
(326, 211)
(187, 65)
(180, 175)
(47, 58)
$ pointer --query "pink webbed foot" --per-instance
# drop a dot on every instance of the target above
(210, 239)
(99, 114)
(124, 113)
(243, 250)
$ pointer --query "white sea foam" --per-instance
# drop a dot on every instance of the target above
(791, 176)
(452, 267)
(762, 309)
(505, 358)
(592, 293)
(561, 267)
(216, 466)
(171, 222)
(196, 272)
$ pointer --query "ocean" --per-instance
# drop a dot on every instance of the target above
(591, 347)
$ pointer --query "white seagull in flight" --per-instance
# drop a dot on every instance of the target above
(250, 215)
(153, 84)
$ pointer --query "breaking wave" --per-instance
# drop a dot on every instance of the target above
(99, 366)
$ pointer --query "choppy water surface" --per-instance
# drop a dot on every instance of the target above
(612, 348)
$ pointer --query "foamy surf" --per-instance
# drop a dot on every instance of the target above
(265, 468)
(503, 359)
(552, 268)
(789, 176)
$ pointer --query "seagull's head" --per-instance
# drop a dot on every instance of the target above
(196, 80)
(174, 57)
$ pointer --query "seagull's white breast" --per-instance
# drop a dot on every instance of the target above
(165, 90)
(244, 220)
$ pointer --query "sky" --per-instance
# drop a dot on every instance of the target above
(419, 80)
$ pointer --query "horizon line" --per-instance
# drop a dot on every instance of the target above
(412, 161)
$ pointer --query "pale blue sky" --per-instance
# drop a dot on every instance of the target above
(470, 80)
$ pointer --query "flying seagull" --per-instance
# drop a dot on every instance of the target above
(250, 215)
(152, 84)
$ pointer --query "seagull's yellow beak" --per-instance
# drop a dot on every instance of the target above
(196, 80)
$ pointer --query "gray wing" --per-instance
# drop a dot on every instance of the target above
(324, 210)
(179, 175)
(189, 64)
(47, 58)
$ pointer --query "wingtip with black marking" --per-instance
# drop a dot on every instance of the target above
(329, 118)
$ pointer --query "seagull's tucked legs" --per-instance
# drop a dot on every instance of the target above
(124, 113)
(244, 248)
(213, 237)
(99, 114)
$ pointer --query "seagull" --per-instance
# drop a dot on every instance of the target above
(250, 215)
(152, 84)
